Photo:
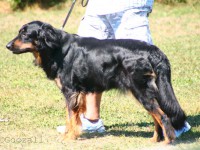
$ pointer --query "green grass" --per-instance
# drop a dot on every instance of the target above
(34, 106)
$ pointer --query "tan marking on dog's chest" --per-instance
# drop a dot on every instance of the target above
(58, 82)
(38, 60)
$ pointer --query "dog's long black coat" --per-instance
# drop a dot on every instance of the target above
(92, 65)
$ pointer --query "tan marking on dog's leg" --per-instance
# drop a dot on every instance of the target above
(74, 127)
(74, 122)
(158, 116)
(156, 137)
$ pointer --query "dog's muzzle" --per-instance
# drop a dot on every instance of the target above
(9, 45)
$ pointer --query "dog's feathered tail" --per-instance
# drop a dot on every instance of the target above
(167, 99)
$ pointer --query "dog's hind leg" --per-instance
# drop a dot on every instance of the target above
(158, 133)
(147, 95)
(165, 124)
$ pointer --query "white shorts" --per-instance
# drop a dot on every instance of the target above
(121, 25)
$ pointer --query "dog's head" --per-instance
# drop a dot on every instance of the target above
(36, 37)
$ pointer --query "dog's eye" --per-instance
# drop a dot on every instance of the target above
(23, 35)
(36, 42)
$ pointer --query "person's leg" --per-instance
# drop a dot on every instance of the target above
(93, 101)
(91, 121)
(95, 26)
(92, 26)
(134, 25)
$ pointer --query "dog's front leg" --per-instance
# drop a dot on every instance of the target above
(73, 125)
(75, 105)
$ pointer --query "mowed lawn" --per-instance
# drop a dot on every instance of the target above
(31, 106)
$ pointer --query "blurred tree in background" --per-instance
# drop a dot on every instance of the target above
(171, 1)
(21, 4)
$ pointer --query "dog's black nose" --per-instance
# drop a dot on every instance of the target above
(9, 45)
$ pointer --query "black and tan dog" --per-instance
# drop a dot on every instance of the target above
(81, 65)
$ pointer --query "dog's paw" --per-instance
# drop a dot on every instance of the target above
(155, 139)
(168, 141)
(66, 137)
(60, 138)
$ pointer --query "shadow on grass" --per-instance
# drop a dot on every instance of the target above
(114, 130)
(120, 130)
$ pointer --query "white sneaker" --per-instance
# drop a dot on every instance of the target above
(186, 128)
(87, 126)
(61, 129)
(90, 127)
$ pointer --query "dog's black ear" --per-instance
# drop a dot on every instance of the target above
(50, 35)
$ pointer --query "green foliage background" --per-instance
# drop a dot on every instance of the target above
(21, 4)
